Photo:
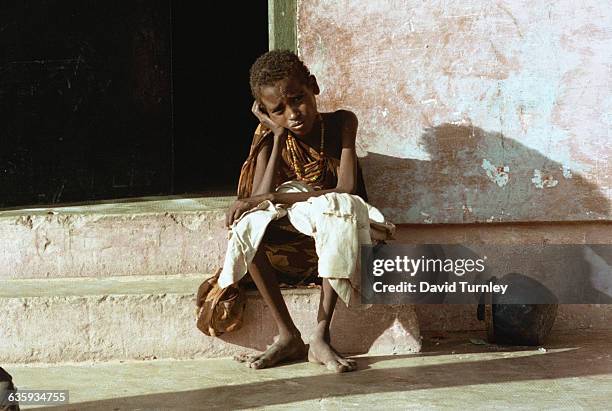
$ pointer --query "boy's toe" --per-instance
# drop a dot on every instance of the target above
(341, 364)
(242, 357)
(350, 362)
(258, 364)
(341, 368)
(250, 359)
(345, 362)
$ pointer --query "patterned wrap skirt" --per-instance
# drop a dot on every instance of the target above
(290, 253)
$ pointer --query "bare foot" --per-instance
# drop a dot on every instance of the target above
(321, 352)
(281, 350)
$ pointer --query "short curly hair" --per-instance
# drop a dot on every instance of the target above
(274, 66)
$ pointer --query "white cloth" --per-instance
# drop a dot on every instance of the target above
(244, 238)
(338, 222)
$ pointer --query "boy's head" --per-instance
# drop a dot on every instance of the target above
(285, 90)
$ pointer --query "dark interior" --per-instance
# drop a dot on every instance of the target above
(107, 99)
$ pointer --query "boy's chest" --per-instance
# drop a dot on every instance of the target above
(332, 142)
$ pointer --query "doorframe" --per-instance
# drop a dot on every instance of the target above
(282, 25)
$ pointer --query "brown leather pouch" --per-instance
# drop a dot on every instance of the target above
(219, 310)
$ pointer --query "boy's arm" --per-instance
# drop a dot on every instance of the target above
(347, 173)
(266, 166)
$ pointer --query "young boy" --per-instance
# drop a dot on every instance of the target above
(294, 142)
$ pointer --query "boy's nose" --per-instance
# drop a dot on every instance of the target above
(295, 114)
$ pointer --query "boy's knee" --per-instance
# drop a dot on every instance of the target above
(260, 261)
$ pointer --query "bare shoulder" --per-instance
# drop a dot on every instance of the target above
(344, 117)
(347, 124)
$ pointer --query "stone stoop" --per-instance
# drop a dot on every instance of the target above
(138, 237)
(146, 317)
(114, 280)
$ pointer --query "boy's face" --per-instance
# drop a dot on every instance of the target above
(292, 104)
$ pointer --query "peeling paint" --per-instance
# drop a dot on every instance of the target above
(543, 181)
(498, 175)
(427, 219)
(25, 221)
(429, 101)
(465, 82)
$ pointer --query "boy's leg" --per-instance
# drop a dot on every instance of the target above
(320, 350)
(289, 344)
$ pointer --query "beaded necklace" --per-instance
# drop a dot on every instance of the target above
(312, 171)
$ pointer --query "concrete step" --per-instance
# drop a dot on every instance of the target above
(142, 317)
(147, 236)
(176, 235)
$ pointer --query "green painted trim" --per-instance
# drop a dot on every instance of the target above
(282, 25)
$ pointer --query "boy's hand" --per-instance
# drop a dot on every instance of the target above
(236, 210)
(267, 121)
(243, 205)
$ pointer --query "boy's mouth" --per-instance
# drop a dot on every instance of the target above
(297, 126)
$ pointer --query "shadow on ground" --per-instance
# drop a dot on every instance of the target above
(445, 366)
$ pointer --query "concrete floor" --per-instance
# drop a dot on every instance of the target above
(573, 371)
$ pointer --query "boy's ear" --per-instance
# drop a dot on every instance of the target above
(314, 86)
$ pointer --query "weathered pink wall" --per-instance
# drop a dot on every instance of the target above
(471, 110)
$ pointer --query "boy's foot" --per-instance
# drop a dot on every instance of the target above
(321, 352)
(282, 350)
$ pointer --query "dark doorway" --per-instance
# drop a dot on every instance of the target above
(215, 44)
(84, 100)
(105, 99)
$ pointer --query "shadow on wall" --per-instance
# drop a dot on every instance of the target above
(479, 176)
